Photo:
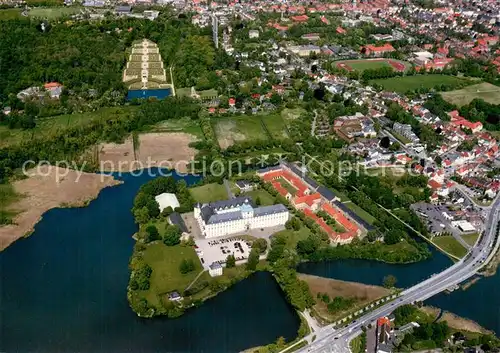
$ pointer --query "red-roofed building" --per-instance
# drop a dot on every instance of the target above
(305, 198)
(340, 30)
(460, 122)
(372, 50)
(300, 18)
(325, 20)
(232, 102)
(433, 184)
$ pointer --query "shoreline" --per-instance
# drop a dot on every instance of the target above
(56, 188)
(457, 322)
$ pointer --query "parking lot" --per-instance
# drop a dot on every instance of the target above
(217, 249)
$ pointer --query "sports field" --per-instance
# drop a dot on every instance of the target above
(53, 12)
(485, 91)
(365, 64)
(406, 83)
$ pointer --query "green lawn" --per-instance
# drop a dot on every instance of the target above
(166, 277)
(185, 124)
(361, 213)
(209, 193)
(275, 125)
(368, 64)
(10, 14)
(292, 237)
(450, 245)
(287, 186)
(470, 238)
(265, 198)
(48, 126)
(485, 91)
(403, 84)
(53, 12)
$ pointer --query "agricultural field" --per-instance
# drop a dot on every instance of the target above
(365, 64)
(291, 114)
(275, 126)
(209, 193)
(51, 125)
(485, 91)
(181, 125)
(405, 83)
(237, 129)
(53, 12)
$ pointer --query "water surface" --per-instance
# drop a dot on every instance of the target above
(63, 289)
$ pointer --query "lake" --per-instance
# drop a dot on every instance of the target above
(63, 289)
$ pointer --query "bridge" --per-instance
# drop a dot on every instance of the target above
(331, 340)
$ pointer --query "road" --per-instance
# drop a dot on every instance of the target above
(330, 340)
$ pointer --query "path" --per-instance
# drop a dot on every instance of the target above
(172, 81)
(313, 125)
(313, 324)
(228, 189)
(191, 284)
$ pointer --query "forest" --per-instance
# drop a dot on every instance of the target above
(88, 55)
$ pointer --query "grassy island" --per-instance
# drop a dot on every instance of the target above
(167, 275)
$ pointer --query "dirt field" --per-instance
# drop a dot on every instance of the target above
(164, 149)
(362, 293)
(455, 321)
(49, 188)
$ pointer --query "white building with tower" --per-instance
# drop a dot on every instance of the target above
(237, 215)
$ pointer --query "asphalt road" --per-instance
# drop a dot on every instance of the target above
(337, 341)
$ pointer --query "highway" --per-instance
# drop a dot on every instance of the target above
(337, 341)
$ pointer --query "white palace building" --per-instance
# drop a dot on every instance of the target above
(217, 219)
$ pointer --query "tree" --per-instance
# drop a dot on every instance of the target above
(392, 236)
(172, 235)
(371, 236)
(253, 260)
(389, 281)
(395, 146)
(258, 202)
(260, 244)
(141, 215)
(152, 233)
(280, 342)
(186, 266)
(230, 261)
